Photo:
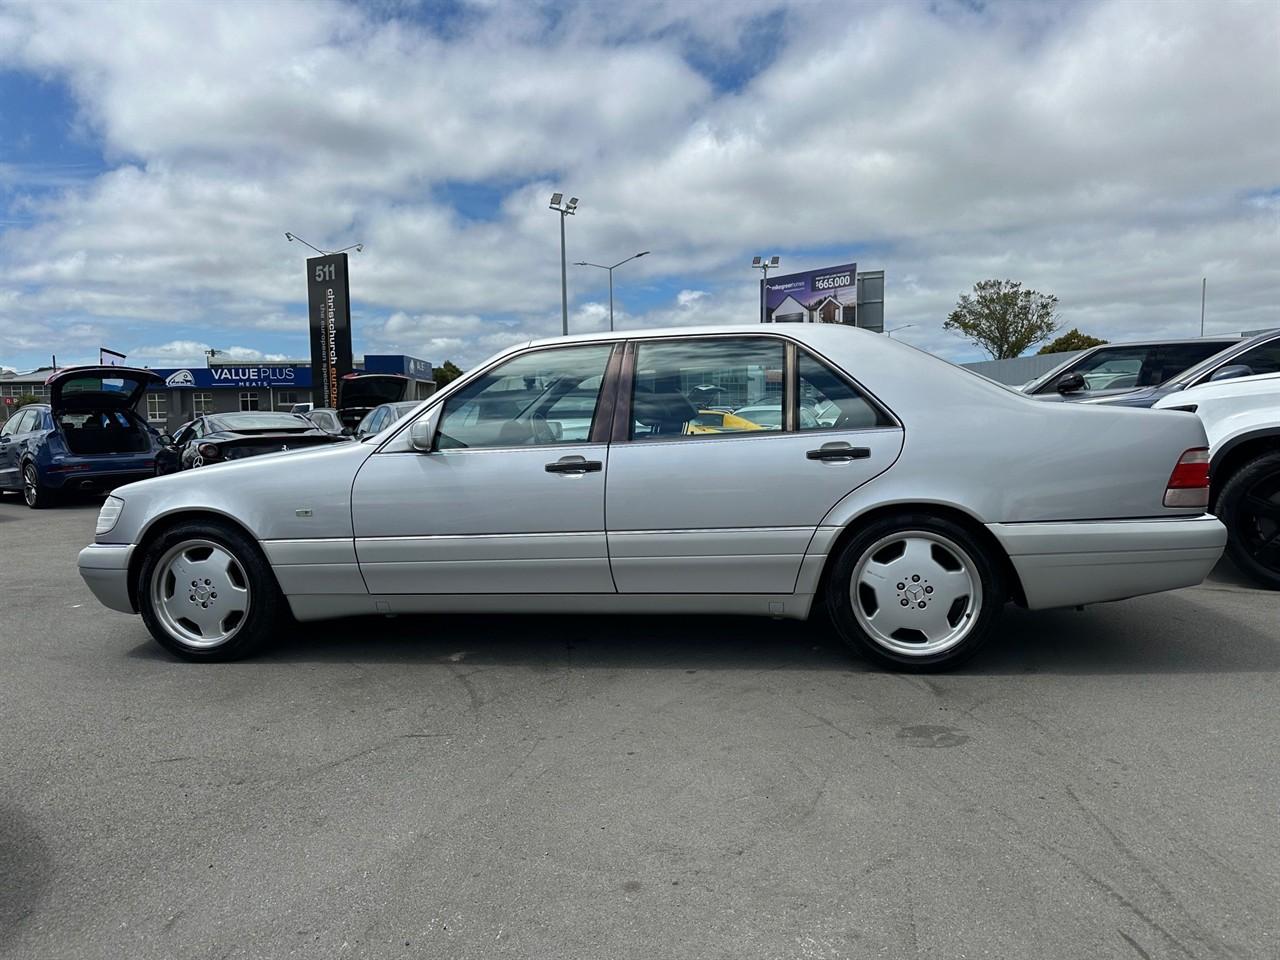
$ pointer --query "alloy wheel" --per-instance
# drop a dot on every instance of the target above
(200, 593)
(916, 593)
(30, 485)
(1257, 522)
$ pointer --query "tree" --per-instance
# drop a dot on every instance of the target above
(1004, 319)
(447, 372)
(26, 398)
(1073, 339)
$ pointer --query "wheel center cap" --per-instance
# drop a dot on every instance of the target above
(915, 592)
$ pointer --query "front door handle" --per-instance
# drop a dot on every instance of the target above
(574, 465)
(838, 452)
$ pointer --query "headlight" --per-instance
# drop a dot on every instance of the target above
(108, 515)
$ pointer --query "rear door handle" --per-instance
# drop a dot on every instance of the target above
(574, 465)
(838, 452)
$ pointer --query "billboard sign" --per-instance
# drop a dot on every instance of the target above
(329, 312)
(828, 295)
(284, 376)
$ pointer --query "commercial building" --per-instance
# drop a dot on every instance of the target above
(224, 387)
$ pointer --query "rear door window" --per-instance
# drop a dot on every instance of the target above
(685, 389)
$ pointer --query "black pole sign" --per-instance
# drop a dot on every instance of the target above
(329, 303)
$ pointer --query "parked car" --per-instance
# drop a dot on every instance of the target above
(1119, 368)
(932, 498)
(383, 416)
(1257, 356)
(1242, 420)
(326, 418)
(360, 393)
(222, 437)
(88, 437)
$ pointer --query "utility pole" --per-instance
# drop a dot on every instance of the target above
(1204, 283)
(585, 263)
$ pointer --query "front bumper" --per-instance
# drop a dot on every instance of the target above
(105, 568)
(1067, 564)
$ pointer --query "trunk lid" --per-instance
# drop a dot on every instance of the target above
(97, 388)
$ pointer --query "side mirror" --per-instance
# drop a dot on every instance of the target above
(165, 440)
(1231, 371)
(420, 434)
(1071, 383)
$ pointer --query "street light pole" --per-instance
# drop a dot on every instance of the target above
(1204, 284)
(764, 263)
(585, 263)
(890, 333)
(565, 210)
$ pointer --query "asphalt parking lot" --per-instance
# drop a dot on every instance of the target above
(1102, 783)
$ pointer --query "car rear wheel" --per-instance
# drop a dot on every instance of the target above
(915, 592)
(36, 494)
(206, 592)
(1249, 507)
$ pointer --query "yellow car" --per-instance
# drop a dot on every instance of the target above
(718, 421)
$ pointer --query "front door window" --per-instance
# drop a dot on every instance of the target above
(539, 398)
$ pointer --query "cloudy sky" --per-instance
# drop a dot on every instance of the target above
(153, 155)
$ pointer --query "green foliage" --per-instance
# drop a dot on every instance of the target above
(447, 372)
(26, 398)
(1004, 319)
(1073, 339)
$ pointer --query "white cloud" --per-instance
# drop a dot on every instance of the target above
(1111, 153)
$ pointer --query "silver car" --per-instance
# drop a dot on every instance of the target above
(567, 476)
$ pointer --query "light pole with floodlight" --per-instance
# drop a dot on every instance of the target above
(764, 263)
(565, 210)
(890, 333)
(585, 263)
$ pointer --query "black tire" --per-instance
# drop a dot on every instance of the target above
(968, 615)
(1249, 507)
(36, 495)
(266, 606)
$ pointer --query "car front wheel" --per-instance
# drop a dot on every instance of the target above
(1249, 507)
(915, 592)
(206, 592)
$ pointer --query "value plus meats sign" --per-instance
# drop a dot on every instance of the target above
(329, 305)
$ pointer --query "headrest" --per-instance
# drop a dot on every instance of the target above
(662, 409)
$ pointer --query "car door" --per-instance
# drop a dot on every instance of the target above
(507, 501)
(732, 511)
(10, 449)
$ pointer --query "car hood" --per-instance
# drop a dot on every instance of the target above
(97, 388)
(1143, 397)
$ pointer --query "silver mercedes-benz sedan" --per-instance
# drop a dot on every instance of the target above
(601, 474)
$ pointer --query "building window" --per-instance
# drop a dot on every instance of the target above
(157, 407)
(201, 403)
(248, 401)
(286, 399)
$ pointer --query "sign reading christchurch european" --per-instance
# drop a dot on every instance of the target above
(829, 295)
(329, 307)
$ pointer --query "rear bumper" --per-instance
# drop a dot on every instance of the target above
(1072, 563)
(105, 568)
(93, 479)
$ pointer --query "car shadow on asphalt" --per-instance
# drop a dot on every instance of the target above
(1167, 633)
